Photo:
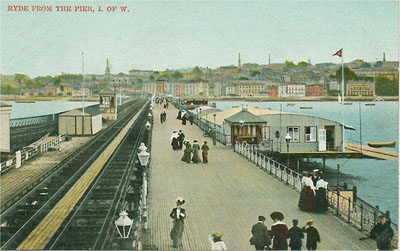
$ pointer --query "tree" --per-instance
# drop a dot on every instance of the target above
(289, 64)
(243, 78)
(93, 78)
(378, 64)
(177, 74)
(151, 77)
(348, 74)
(302, 64)
(141, 80)
(333, 92)
(254, 73)
(365, 65)
(196, 70)
(386, 87)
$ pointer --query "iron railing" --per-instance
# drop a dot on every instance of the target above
(29, 153)
(358, 213)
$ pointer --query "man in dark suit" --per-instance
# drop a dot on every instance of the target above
(260, 237)
(295, 235)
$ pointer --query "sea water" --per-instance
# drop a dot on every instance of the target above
(376, 180)
(40, 108)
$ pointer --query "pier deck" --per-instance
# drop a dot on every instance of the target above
(16, 180)
(372, 152)
(225, 195)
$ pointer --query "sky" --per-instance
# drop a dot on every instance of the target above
(157, 35)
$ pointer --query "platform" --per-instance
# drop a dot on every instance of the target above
(17, 179)
(372, 152)
(225, 195)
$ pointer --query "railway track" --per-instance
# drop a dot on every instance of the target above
(90, 226)
(21, 215)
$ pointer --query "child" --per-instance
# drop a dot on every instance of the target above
(312, 235)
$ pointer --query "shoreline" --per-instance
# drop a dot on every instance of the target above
(249, 99)
(302, 99)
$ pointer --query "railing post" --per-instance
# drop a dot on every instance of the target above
(362, 217)
(337, 202)
(348, 211)
(287, 176)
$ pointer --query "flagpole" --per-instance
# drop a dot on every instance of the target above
(343, 147)
(342, 78)
(83, 89)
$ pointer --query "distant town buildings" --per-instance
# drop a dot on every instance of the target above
(274, 80)
(360, 89)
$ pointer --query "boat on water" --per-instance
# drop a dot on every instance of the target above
(347, 103)
(291, 104)
(25, 101)
(382, 144)
(235, 106)
(370, 104)
(305, 107)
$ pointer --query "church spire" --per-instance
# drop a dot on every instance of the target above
(239, 62)
(107, 72)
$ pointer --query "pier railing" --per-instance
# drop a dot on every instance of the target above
(28, 153)
(358, 213)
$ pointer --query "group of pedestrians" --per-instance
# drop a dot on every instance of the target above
(177, 140)
(279, 234)
(191, 153)
(313, 196)
(182, 115)
(161, 101)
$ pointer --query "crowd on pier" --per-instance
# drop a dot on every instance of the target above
(313, 198)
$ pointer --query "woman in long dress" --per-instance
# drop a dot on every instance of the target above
(309, 196)
(184, 118)
(279, 231)
(205, 149)
(303, 188)
(187, 152)
(179, 115)
(321, 204)
(174, 140)
(178, 215)
(196, 152)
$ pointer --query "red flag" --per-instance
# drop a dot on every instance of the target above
(338, 53)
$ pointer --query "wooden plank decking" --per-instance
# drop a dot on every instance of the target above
(225, 195)
(17, 179)
(372, 152)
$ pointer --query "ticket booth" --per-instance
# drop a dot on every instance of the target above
(245, 127)
(108, 105)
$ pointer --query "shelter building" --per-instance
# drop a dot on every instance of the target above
(81, 123)
(108, 105)
(5, 110)
(268, 129)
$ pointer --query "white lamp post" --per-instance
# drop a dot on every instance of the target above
(124, 225)
(147, 125)
(143, 155)
(287, 138)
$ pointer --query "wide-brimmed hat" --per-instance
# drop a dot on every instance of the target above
(277, 216)
(180, 201)
(217, 235)
(310, 222)
(195, 141)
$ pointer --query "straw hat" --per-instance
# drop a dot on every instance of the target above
(217, 235)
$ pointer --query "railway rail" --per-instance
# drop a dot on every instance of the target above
(22, 214)
(91, 224)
